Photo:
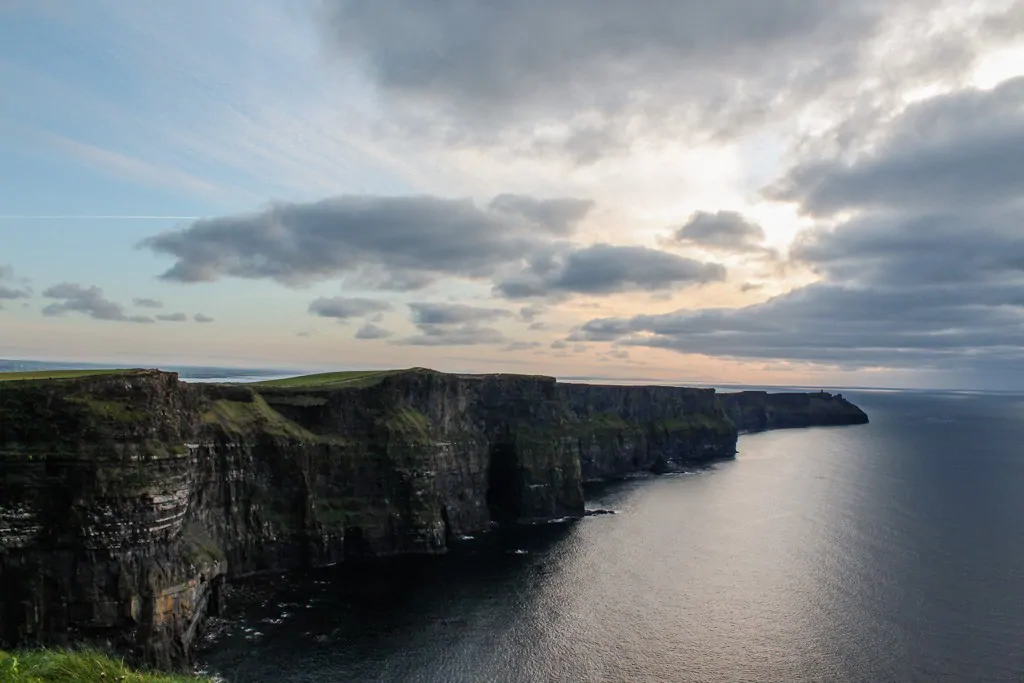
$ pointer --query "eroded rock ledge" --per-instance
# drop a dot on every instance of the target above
(127, 499)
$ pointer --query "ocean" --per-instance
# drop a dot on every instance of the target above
(892, 551)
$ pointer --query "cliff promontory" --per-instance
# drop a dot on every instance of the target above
(127, 498)
(754, 411)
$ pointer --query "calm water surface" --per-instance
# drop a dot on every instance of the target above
(888, 552)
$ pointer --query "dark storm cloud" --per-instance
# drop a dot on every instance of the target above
(172, 318)
(371, 331)
(148, 303)
(966, 147)
(723, 230)
(201, 318)
(387, 242)
(343, 308)
(606, 269)
(88, 301)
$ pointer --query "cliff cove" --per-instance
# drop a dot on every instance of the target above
(128, 498)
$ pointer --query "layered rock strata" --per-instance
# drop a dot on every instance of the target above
(127, 499)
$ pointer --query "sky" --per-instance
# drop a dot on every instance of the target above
(813, 192)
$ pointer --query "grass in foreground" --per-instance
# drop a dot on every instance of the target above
(79, 666)
(327, 379)
(55, 374)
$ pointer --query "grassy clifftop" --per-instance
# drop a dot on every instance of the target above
(56, 374)
(329, 380)
(81, 666)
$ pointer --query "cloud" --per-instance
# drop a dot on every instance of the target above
(448, 314)
(588, 78)
(558, 216)
(385, 242)
(407, 243)
(834, 325)
(726, 231)
(925, 271)
(606, 269)
(343, 308)
(447, 324)
(535, 56)
(970, 246)
(10, 293)
(371, 331)
(201, 318)
(148, 303)
(462, 335)
(530, 313)
(172, 317)
(966, 147)
(521, 346)
(88, 301)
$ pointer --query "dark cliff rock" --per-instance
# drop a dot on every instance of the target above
(127, 499)
(620, 430)
(753, 411)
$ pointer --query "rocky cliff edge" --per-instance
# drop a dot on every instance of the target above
(126, 499)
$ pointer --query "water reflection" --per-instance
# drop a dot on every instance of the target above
(892, 551)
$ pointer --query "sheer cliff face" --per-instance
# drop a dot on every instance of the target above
(621, 430)
(95, 484)
(125, 500)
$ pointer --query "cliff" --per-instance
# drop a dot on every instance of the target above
(127, 499)
(753, 411)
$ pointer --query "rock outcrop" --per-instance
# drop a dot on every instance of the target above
(127, 499)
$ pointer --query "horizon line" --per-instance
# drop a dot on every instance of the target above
(637, 381)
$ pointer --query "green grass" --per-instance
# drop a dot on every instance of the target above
(408, 422)
(78, 666)
(328, 379)
(55, 374)
(108, 410)
(240, 418)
